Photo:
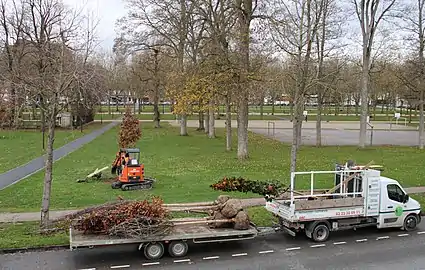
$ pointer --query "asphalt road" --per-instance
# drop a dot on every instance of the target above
(346, 137)
(15, 175)
(364, 249)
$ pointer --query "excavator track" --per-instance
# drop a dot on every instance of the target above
(145, 185)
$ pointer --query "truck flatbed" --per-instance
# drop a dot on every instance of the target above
(195, 233)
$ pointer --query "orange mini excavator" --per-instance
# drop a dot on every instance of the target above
(131, 173)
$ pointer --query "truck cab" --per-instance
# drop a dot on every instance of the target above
(396, 206)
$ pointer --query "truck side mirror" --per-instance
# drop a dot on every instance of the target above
(406, 198)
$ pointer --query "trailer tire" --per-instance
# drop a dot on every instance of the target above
(320, 233)
(410, 223)
(178, 248)
(153, 250)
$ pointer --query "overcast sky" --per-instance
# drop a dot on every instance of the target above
(107, 11)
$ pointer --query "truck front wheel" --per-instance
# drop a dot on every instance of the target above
(410, 223)
(153, 250)
(320, 233)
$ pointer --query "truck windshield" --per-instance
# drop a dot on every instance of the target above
(395, 193)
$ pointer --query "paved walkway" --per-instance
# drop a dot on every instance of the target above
(35, 216)
(15, 175)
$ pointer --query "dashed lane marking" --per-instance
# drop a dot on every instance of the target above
(420, 232)
(88, 269)
(180, 261)
(152, 263)
(361, 240)
(403, 234)
(211, 258)
(120, 266)
(340, 243)
(382, 237)
(293, 248)
(266, 251)
(239, 254)
(319, 245)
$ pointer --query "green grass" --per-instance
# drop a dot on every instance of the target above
(25, 234)
(186, 166)
(21, 146)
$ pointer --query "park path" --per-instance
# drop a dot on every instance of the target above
(17, 174)
(35, 216)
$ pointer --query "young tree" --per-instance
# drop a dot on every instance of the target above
(56, 50)
(370, 15)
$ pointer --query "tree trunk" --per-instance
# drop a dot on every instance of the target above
(421, 119)
(211, 121)
(261, 110)
(319, 122)
(207, 122)
(296, 125)
(156, 114)
(243, 126)
(201, 125)
(364, 101)
(45, 204)
(228, 124)
(183, 125)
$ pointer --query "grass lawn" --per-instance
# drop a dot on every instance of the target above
(25, 234)
(20, 147)
(186, 166)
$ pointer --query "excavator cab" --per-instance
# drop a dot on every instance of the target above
(130, 171)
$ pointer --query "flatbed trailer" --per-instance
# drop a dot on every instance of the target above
(176, 241)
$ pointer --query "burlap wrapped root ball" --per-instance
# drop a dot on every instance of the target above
(230, 209)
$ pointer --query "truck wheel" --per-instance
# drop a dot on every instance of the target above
(178, 248)
(320, 233)
(154, 250)
(410, 223)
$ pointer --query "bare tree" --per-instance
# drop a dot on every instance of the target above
(54, 58)
(369, 14)
(294, 26)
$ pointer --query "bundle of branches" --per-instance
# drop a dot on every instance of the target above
(105, 221)
(240, 184)
(141, 227)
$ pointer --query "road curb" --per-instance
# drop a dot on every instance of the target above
(33, 249)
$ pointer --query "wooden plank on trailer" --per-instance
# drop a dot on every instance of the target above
(318, 204)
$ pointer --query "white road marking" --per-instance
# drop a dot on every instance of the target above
(152, 263)
(239, 254)
(340, 243)
(382, 237)
(361, 240)
(120, 266)
(404, 234)
(88, 269)
(266, 251)
(421, 232)
(184, 260)
(293, 248)
(211, 258)
(319, 245)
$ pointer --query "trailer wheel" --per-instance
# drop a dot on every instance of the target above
(154, 250)
(178, 248)
(410, 223)
(320, 233)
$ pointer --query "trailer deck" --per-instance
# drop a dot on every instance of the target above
(195, 233)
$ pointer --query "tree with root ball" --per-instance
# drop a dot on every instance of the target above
(130, 131)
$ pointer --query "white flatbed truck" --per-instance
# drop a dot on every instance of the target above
(176, 241)
(361, 198)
